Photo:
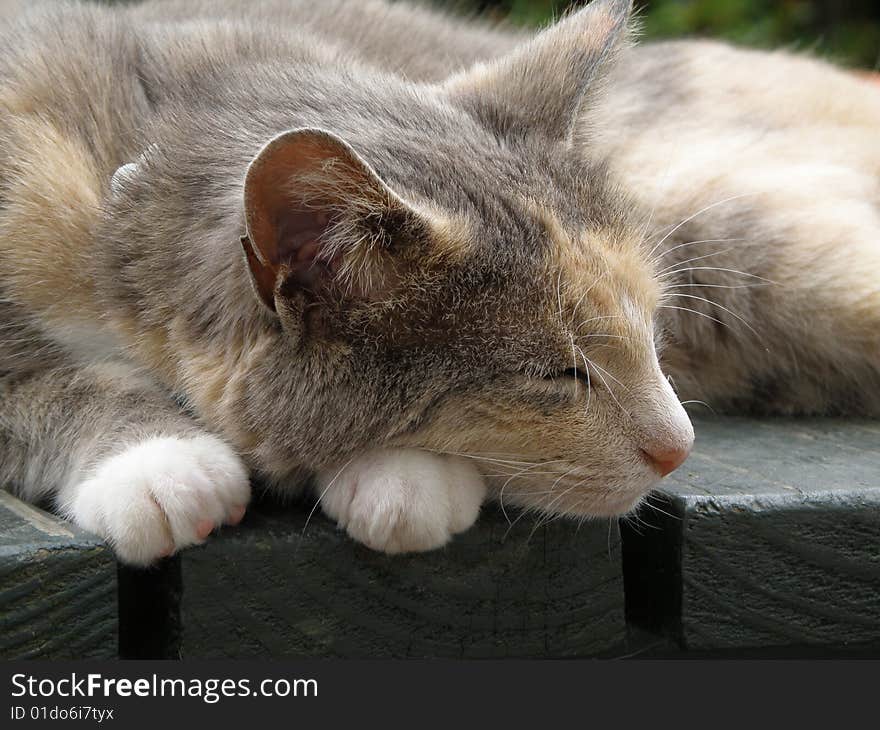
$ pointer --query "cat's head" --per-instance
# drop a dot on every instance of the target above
(464, 277)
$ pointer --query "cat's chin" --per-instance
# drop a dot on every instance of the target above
(597, 504)
(616, 502)
(613, 506)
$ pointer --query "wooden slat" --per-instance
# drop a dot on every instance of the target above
(272, 588)
(57, 588)
(772, 539)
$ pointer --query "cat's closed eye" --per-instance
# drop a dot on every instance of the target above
(570, 374)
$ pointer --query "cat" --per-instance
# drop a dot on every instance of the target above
(761, 177)
(232, 247)
(231, 250)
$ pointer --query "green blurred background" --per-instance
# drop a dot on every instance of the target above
(845, 30)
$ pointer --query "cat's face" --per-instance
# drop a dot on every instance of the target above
(550, 378)
(488, 294)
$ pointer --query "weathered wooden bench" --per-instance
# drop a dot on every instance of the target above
(57, 588)
(767, 542)
(767, 538)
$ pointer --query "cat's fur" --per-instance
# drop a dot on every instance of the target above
(475, 241)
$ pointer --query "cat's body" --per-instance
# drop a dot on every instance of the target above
(433, 253)
(771, 160)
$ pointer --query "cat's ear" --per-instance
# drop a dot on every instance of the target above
(541, 86)
(317, 215)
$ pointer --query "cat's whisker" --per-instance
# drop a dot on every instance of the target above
(501, 494)
(544, 493)
(498, 454)
(645, 235)
(588, 290)
(530, 492)
(716, 268)
(724, 309)
(667, 287)
(599, 334)
(510, 525)
(479, 457)
(697, 214)
(546, 510)
(603, 345)
(599, 372)
(699, 403)
(633, 524)
(647, 502)
(668, 251)
(694, 311)
(609, 375)
(660, 189)
(635, 521)
(589, 379)
(691, 260)
(493, 460)
(548, 515)
(599, 319)
(526, 511)
(586, 372)
(321, 496)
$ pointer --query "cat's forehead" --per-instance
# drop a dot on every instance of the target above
(575, 276)
(530, 216)
(579, 234)
(604, 278)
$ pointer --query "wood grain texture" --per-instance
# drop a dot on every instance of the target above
(772, 539)
(270, 588)
(57, 588)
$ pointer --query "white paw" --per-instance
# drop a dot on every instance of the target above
(161, 495)
(403, 500)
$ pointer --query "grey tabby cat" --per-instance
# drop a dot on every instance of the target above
(234, 245)
(759, 175)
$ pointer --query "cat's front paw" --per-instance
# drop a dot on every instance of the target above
(403, 500)
(161, 495)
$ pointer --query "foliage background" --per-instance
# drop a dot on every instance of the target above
(845, 30)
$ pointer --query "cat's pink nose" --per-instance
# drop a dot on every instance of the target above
(666, 461)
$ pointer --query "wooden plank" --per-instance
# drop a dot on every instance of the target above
(771, 538)
(149, 610)
(273, 587)
(57, 588)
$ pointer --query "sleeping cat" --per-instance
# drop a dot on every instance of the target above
(230, 247)
(760, 175)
